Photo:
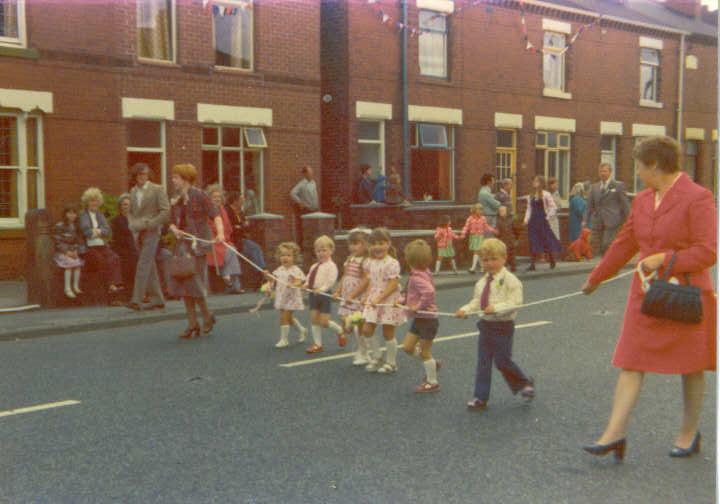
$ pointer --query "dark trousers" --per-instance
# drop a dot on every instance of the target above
(106, 262)
(601, 237)
(495, 343)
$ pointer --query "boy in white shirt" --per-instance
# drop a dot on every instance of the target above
(497, 293)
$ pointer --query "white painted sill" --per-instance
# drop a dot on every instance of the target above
(556, 93)
(650, 104)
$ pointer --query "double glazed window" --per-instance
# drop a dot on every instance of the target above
(371, 145)
(233, 35)
(432, 162)
(554, 60)
(145, 142)
(552, 158)
(432, 44)
(21, 167)
(649, 71)
(156, 29)
(232, 156)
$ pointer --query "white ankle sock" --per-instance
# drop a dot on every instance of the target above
(335, 326)
(391, 347)
(284, 330)
(373, 347)
(298, 325)
(361, 343)
(431, 370)
(317, 335)
(454, 266)
(475, 261)
(437, 267)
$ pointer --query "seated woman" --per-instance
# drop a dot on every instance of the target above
(221, 256)
(123, 242)
(235, 204)
(99, 256)
(68, 246)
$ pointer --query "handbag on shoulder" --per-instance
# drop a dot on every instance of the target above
(181, 265)
(681, 303)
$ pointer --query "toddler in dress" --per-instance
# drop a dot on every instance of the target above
(288, 295)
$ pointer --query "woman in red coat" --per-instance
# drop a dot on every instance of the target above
(673, 216)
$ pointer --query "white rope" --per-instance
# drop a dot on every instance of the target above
(195, 239)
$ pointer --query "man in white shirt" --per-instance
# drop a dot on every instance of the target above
(306, 200)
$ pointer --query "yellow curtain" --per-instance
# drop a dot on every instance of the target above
(9, 18)
(154, 30)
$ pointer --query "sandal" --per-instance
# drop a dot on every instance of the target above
(427, 387)
(314, 349)
(387, 368)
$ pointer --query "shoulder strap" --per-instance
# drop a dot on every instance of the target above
(669, 267)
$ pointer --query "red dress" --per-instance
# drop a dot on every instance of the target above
(686, 223)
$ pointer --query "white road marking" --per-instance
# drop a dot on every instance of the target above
(319, 360)
(39, 407)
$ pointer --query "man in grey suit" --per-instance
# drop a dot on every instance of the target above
(149, 210)
(608, 206)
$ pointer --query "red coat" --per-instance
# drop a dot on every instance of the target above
(685, 222)
(219, 247)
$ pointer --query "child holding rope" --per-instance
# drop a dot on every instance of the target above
(497, 294)
(288, 279)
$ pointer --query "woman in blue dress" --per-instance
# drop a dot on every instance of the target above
(576, 211)
(541, 207)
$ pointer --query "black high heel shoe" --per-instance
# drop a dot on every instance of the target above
(618, 447)
(211, 323)
(190, 333)
(687, 452)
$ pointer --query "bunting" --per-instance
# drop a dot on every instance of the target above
(221, 9)
(529, 46)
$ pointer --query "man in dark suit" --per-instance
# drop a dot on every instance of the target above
(608, 206)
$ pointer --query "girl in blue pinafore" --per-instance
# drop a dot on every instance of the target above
(541, 206)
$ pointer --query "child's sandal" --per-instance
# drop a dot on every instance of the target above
(387, 368)
(427, 387)
(314, 349)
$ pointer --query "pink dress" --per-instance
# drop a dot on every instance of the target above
(286, 297)
(352, 276)
(381, 271)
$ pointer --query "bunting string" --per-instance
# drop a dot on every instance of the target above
(221, 9)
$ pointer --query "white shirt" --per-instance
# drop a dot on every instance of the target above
(96, 241)
(506, 292)
(139, 193)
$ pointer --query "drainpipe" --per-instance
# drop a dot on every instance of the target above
(404, 78)
(681, 89)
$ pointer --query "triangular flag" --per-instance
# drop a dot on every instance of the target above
(215, 10)
(528, 46)
(205, 3)
(385, 18)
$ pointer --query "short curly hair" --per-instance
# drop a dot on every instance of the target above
(660, 151)
(289, 246)
(418, 254)
(90, 194)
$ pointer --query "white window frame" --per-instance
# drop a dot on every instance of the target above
(380, 141)
(653, 102)
(22, 168)
(636, 179)
(21, 40)
(560, 52)
(173, 39)
(162, 150)
(219, 148)
(249, 7)
(415, 144)
(610, 156)
(445, 34)
(546, 149)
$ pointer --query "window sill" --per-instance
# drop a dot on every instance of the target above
(650, 104)
(12, 228)
(414, 206)
(234, 70)
(434, 79)
(19, 52)
(556, 93)
(156, 62)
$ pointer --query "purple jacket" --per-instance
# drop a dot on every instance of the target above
(421, 293)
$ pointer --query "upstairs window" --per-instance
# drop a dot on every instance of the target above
(554, 60)
(156, 30)
(12, 22)
(649, 71)
(433, 44)
(233, 35)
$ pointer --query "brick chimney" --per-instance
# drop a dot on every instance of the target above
(690, 8)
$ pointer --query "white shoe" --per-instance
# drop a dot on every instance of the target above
(69, 293)
(303, 335)
(282, 344)
(360, 360)
(387, 368)
(373, 366)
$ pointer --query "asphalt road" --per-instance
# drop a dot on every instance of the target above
(220, 420)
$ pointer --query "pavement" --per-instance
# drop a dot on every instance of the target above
(46, 322)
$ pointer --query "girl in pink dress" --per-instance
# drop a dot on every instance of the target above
(353, 276)
(476, 226)
(383, 283)
(444, 237)
(288, 297)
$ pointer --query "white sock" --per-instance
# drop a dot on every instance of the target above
(437, 267)
(68, 278)
(391, 347)
(76, 280)
(284, 330)
(335, 326)
(361, 343)
(431, 371)
(417, 352)
(317, 335)
(475, 262)
(454, 266)
(298, 325)
(373, 345)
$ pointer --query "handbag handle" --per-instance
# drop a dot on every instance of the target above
(669, 269)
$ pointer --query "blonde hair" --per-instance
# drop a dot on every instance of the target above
(418, 254)
(476, 208)
(215, 188)
(185, 171)
(492, 246)
(290, 246)
(578, 190)
(91, 193)
(325, 241)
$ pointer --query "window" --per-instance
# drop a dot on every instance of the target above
(145, 141)
(432, 44)
(232, 156)
(371, 145)
(637, 182)
(233, 35)
(21, 167)
(552, 158)
(505, 156)
(608, 151)
(156, 29)
(691, 159)
(714, 170)
(554, 60)
(12, 22)
(649, 68)
(432, 162)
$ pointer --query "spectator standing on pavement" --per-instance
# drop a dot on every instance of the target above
(98, 256)
(366, 186)
(221, 257)
(540, 209)
(69, 244)
(576, 211)
(305, 198)
(496, 295)
(123, 243)
(553, 220)
(673, 226)
(608, 206)
(149, 210)
(190, 213)
(486, 199)
(504, 195)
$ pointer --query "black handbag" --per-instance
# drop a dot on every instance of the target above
(181, 265)
(666, 300)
